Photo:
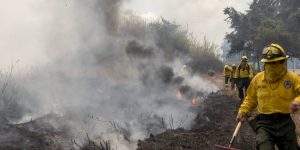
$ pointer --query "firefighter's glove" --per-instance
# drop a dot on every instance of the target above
(295, 106)
(240, 117)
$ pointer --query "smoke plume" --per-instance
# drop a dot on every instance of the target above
(101, 77)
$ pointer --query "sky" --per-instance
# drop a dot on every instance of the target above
(24, 24)
(201, 17)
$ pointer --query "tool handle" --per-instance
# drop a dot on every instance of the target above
(236, 131)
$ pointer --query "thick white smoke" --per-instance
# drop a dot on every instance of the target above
(88, 73)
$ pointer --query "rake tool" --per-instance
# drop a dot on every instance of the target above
(236, 131)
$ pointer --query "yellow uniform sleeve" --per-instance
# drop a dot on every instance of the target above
(297, 88)
(235, 73)
(250, 71)
(250, 101)
(298, 97)
(230, 72)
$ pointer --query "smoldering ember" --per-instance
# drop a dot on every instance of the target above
(124, 74)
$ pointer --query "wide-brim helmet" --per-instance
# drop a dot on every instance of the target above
(244, 59)
(272, 53)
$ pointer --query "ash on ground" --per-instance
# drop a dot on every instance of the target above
(215, 124)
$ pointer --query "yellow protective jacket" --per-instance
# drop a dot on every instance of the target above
(246, 72)
(234, 73)
(227, 72)
(271, 98)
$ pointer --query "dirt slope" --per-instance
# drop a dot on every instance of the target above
(34, 135)
(215, 124)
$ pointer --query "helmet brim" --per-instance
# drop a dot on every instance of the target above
(264, 60)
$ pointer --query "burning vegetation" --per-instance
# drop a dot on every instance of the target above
(116, 79)
(136, 50)
(213, 125)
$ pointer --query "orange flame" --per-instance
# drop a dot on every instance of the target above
(178, 95)
(194, 101)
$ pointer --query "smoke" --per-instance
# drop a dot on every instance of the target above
(192, 14)
(111, 13)
(135, 49)
(98, 75)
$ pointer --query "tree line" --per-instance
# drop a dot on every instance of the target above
(266, 21)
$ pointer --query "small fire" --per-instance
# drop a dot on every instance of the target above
(181, 97)
(194, 101)
(178, 95)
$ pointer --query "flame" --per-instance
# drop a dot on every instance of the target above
(178, 95)
(194, 101)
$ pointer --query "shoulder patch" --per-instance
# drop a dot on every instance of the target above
(287, 84)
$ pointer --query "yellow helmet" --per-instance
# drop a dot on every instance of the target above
(226, 66)
(273, 52)
(245, 58)
(233, 65)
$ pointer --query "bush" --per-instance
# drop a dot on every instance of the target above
(173, 41)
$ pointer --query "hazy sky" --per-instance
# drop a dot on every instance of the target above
(203, 17)
(25, 25)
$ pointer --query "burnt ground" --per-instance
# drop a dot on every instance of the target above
(214, 124)
(38, 134)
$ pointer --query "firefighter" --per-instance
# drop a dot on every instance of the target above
(244, 75)
(227, 74)
(275, 93)
(234, 77)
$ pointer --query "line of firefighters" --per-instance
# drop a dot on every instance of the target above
(274, 93)
(239, 76)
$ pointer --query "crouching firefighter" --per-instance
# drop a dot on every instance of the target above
(275, 93)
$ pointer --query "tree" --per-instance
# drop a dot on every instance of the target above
(267, 21)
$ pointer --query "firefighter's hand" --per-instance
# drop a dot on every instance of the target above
(294, 106)
(240, 118)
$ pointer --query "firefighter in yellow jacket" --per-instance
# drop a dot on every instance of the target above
(275, 93)
(234, 77)
(244, 74)
(227, 74)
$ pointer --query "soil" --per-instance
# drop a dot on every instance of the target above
(214, 124)
(33, 135)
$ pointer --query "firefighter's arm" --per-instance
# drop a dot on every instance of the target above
(235, 74)
(231, 73)
(250, 101)
(295, 106)
(250, 71)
